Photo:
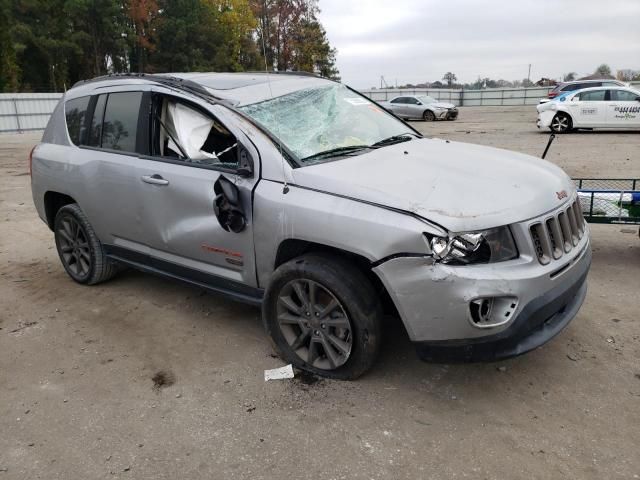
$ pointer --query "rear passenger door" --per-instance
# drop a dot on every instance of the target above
(109, 148)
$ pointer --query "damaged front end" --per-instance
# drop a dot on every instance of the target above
(485, 295)
(488, 246)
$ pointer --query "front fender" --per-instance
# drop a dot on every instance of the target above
(367, 230)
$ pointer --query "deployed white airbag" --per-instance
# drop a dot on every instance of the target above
(190, 128)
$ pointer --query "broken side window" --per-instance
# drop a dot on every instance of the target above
(191, 135)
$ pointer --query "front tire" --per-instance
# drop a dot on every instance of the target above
(80, 251)
(428, 116)
(561, 123)
(323, 316)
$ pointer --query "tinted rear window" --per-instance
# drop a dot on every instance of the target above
(76, 112)
(121, 121)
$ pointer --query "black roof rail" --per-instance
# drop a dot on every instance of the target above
(168, 80)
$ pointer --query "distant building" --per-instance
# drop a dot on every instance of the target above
(546, 82)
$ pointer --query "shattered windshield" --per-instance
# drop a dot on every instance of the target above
(328, 119)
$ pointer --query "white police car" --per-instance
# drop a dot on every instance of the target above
(600, 107)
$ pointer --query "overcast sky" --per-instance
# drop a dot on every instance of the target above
(419, 40)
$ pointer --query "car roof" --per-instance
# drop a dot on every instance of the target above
(602, 87)
(592, 89)
(593, 80)
(236, 88)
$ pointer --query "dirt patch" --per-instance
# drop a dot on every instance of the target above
(163, 379)
(306, 378)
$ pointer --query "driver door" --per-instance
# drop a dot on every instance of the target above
(399, 106)
(414, 108)
(191, 155)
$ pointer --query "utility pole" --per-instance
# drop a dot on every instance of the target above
(529, 74)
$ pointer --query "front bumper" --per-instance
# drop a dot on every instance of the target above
(540, 321)
(450, 114)
(433, 301)
(545, 118)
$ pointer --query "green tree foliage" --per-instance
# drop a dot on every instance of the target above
(48, 45)
(292, 37)
(8, 65)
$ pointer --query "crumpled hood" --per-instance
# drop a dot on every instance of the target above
(460, 186)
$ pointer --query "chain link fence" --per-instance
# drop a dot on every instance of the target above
(609, 200)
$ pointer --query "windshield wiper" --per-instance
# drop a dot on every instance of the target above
(335, 152)
(392, 140)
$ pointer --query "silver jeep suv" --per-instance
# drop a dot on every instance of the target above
(298, 194)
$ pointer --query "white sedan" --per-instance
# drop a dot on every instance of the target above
(600, 107)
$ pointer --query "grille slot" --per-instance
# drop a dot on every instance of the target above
(541, 243)
(573, 225)
(566, 231)
(558, 234)
(555, 237)
(577, 211)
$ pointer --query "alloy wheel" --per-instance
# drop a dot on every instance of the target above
(74, 246)
(314, 324)
(429, 116)
(560, 123)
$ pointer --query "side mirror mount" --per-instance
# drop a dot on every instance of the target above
(227, 206)
(245, 163)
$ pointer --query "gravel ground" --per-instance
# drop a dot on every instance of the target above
(145, 378)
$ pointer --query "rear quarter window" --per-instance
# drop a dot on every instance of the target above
(76, 113)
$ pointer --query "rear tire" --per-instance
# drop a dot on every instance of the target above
(561, 123)
(428, 116)
(80, 251)
(323, 316)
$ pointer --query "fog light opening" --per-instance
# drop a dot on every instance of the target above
(481, 309)
(489, 312)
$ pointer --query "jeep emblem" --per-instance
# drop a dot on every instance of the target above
(562, 194)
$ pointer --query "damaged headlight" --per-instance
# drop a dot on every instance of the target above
(488, 246)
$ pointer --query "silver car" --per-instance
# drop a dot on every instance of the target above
(301, 196)
(421, 107)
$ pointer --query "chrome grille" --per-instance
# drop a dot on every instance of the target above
(557, 234)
